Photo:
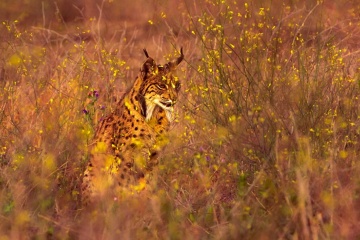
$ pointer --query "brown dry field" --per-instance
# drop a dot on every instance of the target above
(267, 136)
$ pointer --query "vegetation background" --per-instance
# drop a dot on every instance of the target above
(266, 142)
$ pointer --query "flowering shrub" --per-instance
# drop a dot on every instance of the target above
(265, 140)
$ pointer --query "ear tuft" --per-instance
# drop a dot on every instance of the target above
(179, 59)
(172, 65)
(146, 53)
(149, 67)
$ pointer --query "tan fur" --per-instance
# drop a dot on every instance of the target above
(127, 142)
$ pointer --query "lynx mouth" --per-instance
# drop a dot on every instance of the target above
(167, 105)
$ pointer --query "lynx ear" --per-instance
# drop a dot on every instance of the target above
(179, 59)
(149, 67)
(172, 65)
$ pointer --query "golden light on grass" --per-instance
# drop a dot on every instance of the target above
(265, 143)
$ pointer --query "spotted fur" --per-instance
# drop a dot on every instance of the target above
(126, 143)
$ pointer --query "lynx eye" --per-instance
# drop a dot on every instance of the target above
(161, 86)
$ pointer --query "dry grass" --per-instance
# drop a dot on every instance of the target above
(266, 141)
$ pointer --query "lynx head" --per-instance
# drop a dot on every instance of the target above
(160, 86)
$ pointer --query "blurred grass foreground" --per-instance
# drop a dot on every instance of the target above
(266, 139)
